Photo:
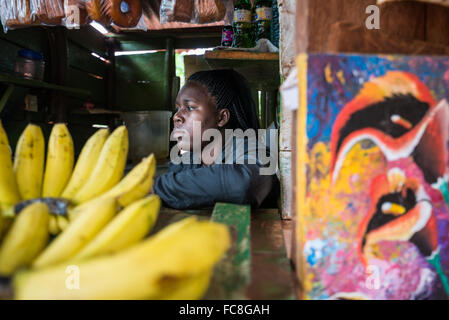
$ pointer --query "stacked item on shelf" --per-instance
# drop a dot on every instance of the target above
(71, 13)
(192, 11)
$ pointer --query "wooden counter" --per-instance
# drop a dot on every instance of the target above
(256, 267)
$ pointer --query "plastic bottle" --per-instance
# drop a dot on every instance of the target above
(227, 36)
(242, 25)
(263, 19)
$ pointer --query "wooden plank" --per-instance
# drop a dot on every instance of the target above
(261, 74)
(439, 2)
(241, 55)
(406, 27)
(263, 109)
(8, 56)
(29, 83)
(346, 37)
(168, 216)
(31, 38)
(287, 9)
(133, 96)
(194, 64)
(170, 73)
(402, 19)
(88, 38)
(82, 59)
(285, 166)
(315, 19)
(6, 96)
(141, 67)
(232, 273)
(436, 24)
(271, 273)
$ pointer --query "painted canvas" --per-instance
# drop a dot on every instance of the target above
(374, 216)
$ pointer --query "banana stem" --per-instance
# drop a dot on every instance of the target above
(434, 260)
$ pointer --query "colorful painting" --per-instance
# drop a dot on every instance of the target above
(374, 218)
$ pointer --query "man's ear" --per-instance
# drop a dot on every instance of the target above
(223, 117)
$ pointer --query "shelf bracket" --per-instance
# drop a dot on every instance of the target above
(6, 96)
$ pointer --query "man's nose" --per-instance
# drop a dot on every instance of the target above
(178, 118)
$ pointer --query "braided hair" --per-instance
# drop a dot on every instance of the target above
(231, 91)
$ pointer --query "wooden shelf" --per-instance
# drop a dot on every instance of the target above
(29, 83)
(261, 69)
(242, 55)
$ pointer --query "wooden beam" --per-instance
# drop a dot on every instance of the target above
(406, 27)
(346, 37)
(241, 55)
(232, 274)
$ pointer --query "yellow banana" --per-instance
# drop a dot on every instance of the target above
(63, 223)
(60, 158)
(53, 226)
(86, 163)
(130, 226)
(5, 225)
(27, 237)
(136, 184)
(29, 162)
(9, 192)
(79, 233)
(191, 288)
(109, 168)
(2, 225)
(174, 253)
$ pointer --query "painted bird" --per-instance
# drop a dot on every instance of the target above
(400, 211)
(398, 113)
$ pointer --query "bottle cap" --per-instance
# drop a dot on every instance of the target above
(30, 54)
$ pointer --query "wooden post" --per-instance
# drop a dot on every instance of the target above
(170, 72)
(338, 26)
(58, 71)
(287, 10)
(263, 109)
(111, 84)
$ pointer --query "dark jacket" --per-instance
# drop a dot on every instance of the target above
(187, 186)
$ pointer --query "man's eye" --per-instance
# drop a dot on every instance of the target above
(190, 108)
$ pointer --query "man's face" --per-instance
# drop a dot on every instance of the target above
(194, 103)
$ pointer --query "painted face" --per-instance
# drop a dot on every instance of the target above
(402, 123)
(400, 211)
(194, 103)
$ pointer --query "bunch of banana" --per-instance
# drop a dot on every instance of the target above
(108, 169)
(137, 183)
(26, 238)
(130, 226)
(86, 163)
(29, 162)
(57, 224)
(176, 263)
(134, 186)
(9, 192)
(5, 224)
(78, 233)
(60, 158)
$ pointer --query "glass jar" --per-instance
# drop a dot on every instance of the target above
(30, 64)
